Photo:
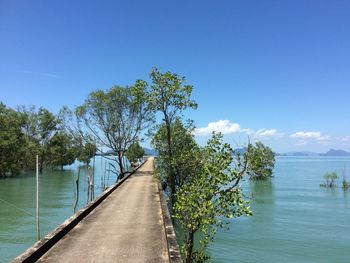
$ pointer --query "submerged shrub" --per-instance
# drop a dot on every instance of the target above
(330, 179)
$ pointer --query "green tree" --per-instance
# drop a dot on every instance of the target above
(345, 183)
(84, 142)
(115, 118)
(86, 152)
(12, 141)
(61, 150)
(170, 96)
(261, 161)
(330, 179)
(184, 151)
(135, 152)
(212, 197)
(40, 126)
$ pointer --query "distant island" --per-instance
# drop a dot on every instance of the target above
(331, 152)
(150, 152)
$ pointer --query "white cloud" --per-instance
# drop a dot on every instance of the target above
(227, 127)
(301, 142)
(306, 135)
(265, 133)
(346, 139)
(314, 135)
(223, 126)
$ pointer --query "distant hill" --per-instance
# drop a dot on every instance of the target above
(333, 152)
(305, 153)
(240, 150)
(150, 152)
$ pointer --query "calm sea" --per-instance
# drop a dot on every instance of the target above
(294, 219)
(57, 198)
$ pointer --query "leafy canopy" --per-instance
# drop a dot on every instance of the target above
(185, 151)
(212, 196)
(115, 118)
(261, 161)
(170, 95)
(135, 152)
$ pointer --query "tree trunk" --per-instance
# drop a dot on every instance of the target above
(121, 167)
(189, 246)
(170, 172)
(77, 191)
(61, 167)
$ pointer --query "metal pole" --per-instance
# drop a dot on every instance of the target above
(93, 181)
(37, 198)
(104, 174)
(101, 174)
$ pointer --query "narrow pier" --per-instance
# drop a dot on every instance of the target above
(127, 226)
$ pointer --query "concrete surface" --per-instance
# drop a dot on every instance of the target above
(126, 227)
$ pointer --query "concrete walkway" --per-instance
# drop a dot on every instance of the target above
(126, 227)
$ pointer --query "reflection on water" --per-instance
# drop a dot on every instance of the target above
(263, 200)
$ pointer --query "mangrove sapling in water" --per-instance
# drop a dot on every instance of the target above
(345, 183)
(261, 161)
(330, 180)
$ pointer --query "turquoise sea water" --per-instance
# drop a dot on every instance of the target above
(57, 199)
(295, 220)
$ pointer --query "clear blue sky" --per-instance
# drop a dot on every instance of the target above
(278, 69)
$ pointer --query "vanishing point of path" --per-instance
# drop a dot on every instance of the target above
(126, 227)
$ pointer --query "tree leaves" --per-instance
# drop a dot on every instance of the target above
(212, 196)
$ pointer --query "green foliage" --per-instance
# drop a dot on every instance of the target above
(86, 152)
(115, 118)
(12, 141)
(345, 184)
(25, 133)
(185, 152)
(61, 150)
(40, 127)
(212, 197)
(169, 95)
(261, 161)
(330, 179)
(135, 152)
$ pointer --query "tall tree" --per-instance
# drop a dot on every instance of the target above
(170, 96)
(40, 126)
(83, 141)
(115, 118)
